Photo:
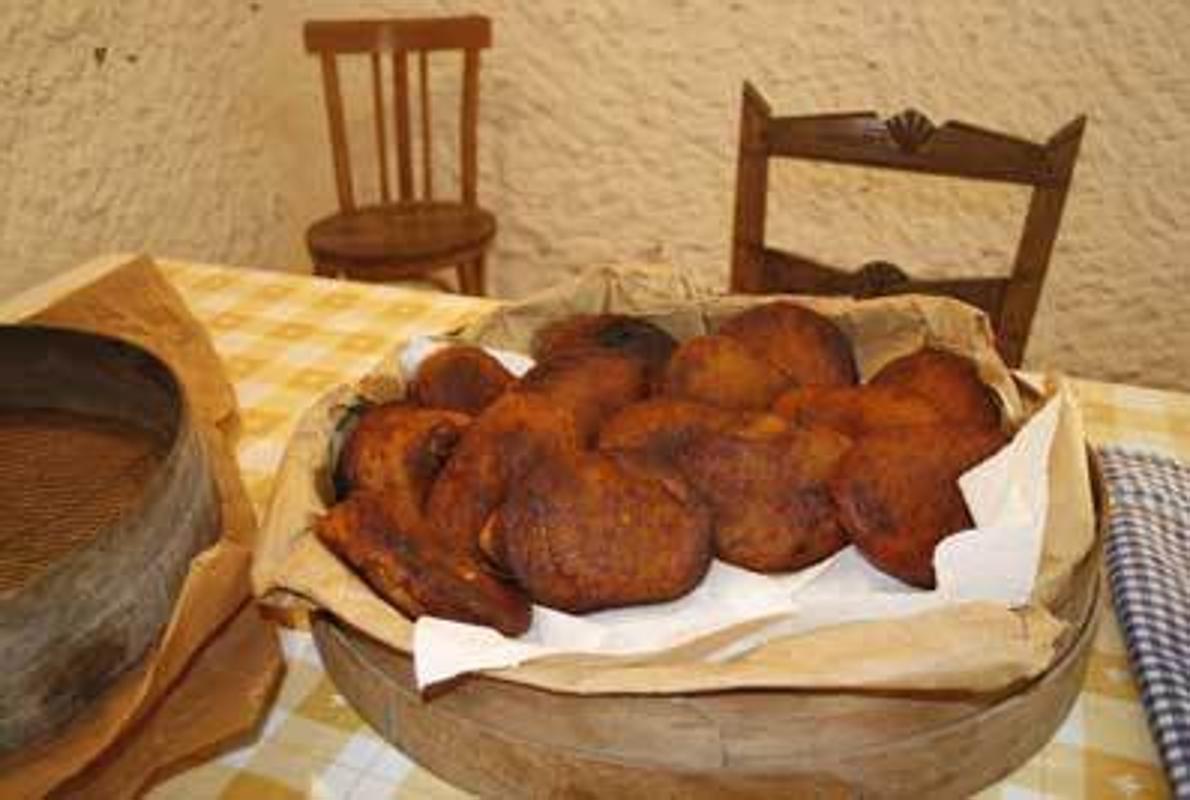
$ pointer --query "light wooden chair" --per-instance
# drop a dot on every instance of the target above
(910, 142)
(409, 236)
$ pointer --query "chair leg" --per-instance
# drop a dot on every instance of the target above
(466, 276)
(471, 277)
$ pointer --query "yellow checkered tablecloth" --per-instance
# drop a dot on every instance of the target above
(287, 339)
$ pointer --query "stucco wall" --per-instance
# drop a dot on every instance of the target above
(608, 132)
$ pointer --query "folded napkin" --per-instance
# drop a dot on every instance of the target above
(1148, 565)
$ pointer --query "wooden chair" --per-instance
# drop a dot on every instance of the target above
(408, 236)
(908, 141)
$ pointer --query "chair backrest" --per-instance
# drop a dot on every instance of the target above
(396, 39)
(909, 142)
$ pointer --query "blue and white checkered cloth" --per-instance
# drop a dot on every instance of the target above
(1148, 565)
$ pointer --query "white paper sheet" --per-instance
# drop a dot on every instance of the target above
(996, 561)
(1007, 495)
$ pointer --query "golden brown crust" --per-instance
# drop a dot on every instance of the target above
(720, 371)
(413, 572)
(584, 532)
(948, 381)
(806, 346)
(855, 410)
(897, 493)
(591, 385)
(770, 496)
(617, 333)
(490, 544)
(502, 444)
(399, 449)
(460, 378)
(661, 427)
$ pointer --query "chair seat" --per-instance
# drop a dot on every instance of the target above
(402, 232)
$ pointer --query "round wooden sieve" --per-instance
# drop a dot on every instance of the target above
(106, 495)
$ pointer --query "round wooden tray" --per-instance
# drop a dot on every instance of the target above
(501, 739)
(109, 495)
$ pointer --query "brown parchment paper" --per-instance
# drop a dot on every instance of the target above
(191, 723)
(135, 302)
(971, 647)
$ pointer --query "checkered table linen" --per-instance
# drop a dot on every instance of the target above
(1148, 565)
(287, 339)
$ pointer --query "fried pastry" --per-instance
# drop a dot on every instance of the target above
(855, 410)
(950, 382)
(720, 371)
(414, 572)
(661, 427)
(490, 543)
(591, 385)
(897, 493)
(807, 347)
(587, 531)
(770, 496)
(502, 444)
(398, 449)
(617, 333)
(460, 378)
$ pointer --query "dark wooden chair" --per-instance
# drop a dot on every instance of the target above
(408, 236)
(908, 141)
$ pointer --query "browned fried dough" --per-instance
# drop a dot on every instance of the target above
(399, 449)
(491, 549)
(502, 444)
(460, 378)
(591, 385)
(770, 496)
(660, 427)
(618, 333)
(855, 410)
(897, 493)
(644, 464)
(806, 346)
(948, 381)
(586, 531)
(415, 573)
(721, 372)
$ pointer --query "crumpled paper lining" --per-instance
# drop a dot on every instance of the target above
(971, 647)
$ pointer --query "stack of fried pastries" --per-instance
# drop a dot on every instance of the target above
(615, 470)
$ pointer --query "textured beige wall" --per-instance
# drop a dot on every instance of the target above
(608, 133)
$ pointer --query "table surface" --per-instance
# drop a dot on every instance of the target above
(286, 339)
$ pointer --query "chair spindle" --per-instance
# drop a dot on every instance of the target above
(427, 168)
(338, 130)
(468, 130)
(381, 143)
(401, 124)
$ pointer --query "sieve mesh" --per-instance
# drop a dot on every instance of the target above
(64, 477)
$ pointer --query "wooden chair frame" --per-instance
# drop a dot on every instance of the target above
(907, 142)
(398, 40)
